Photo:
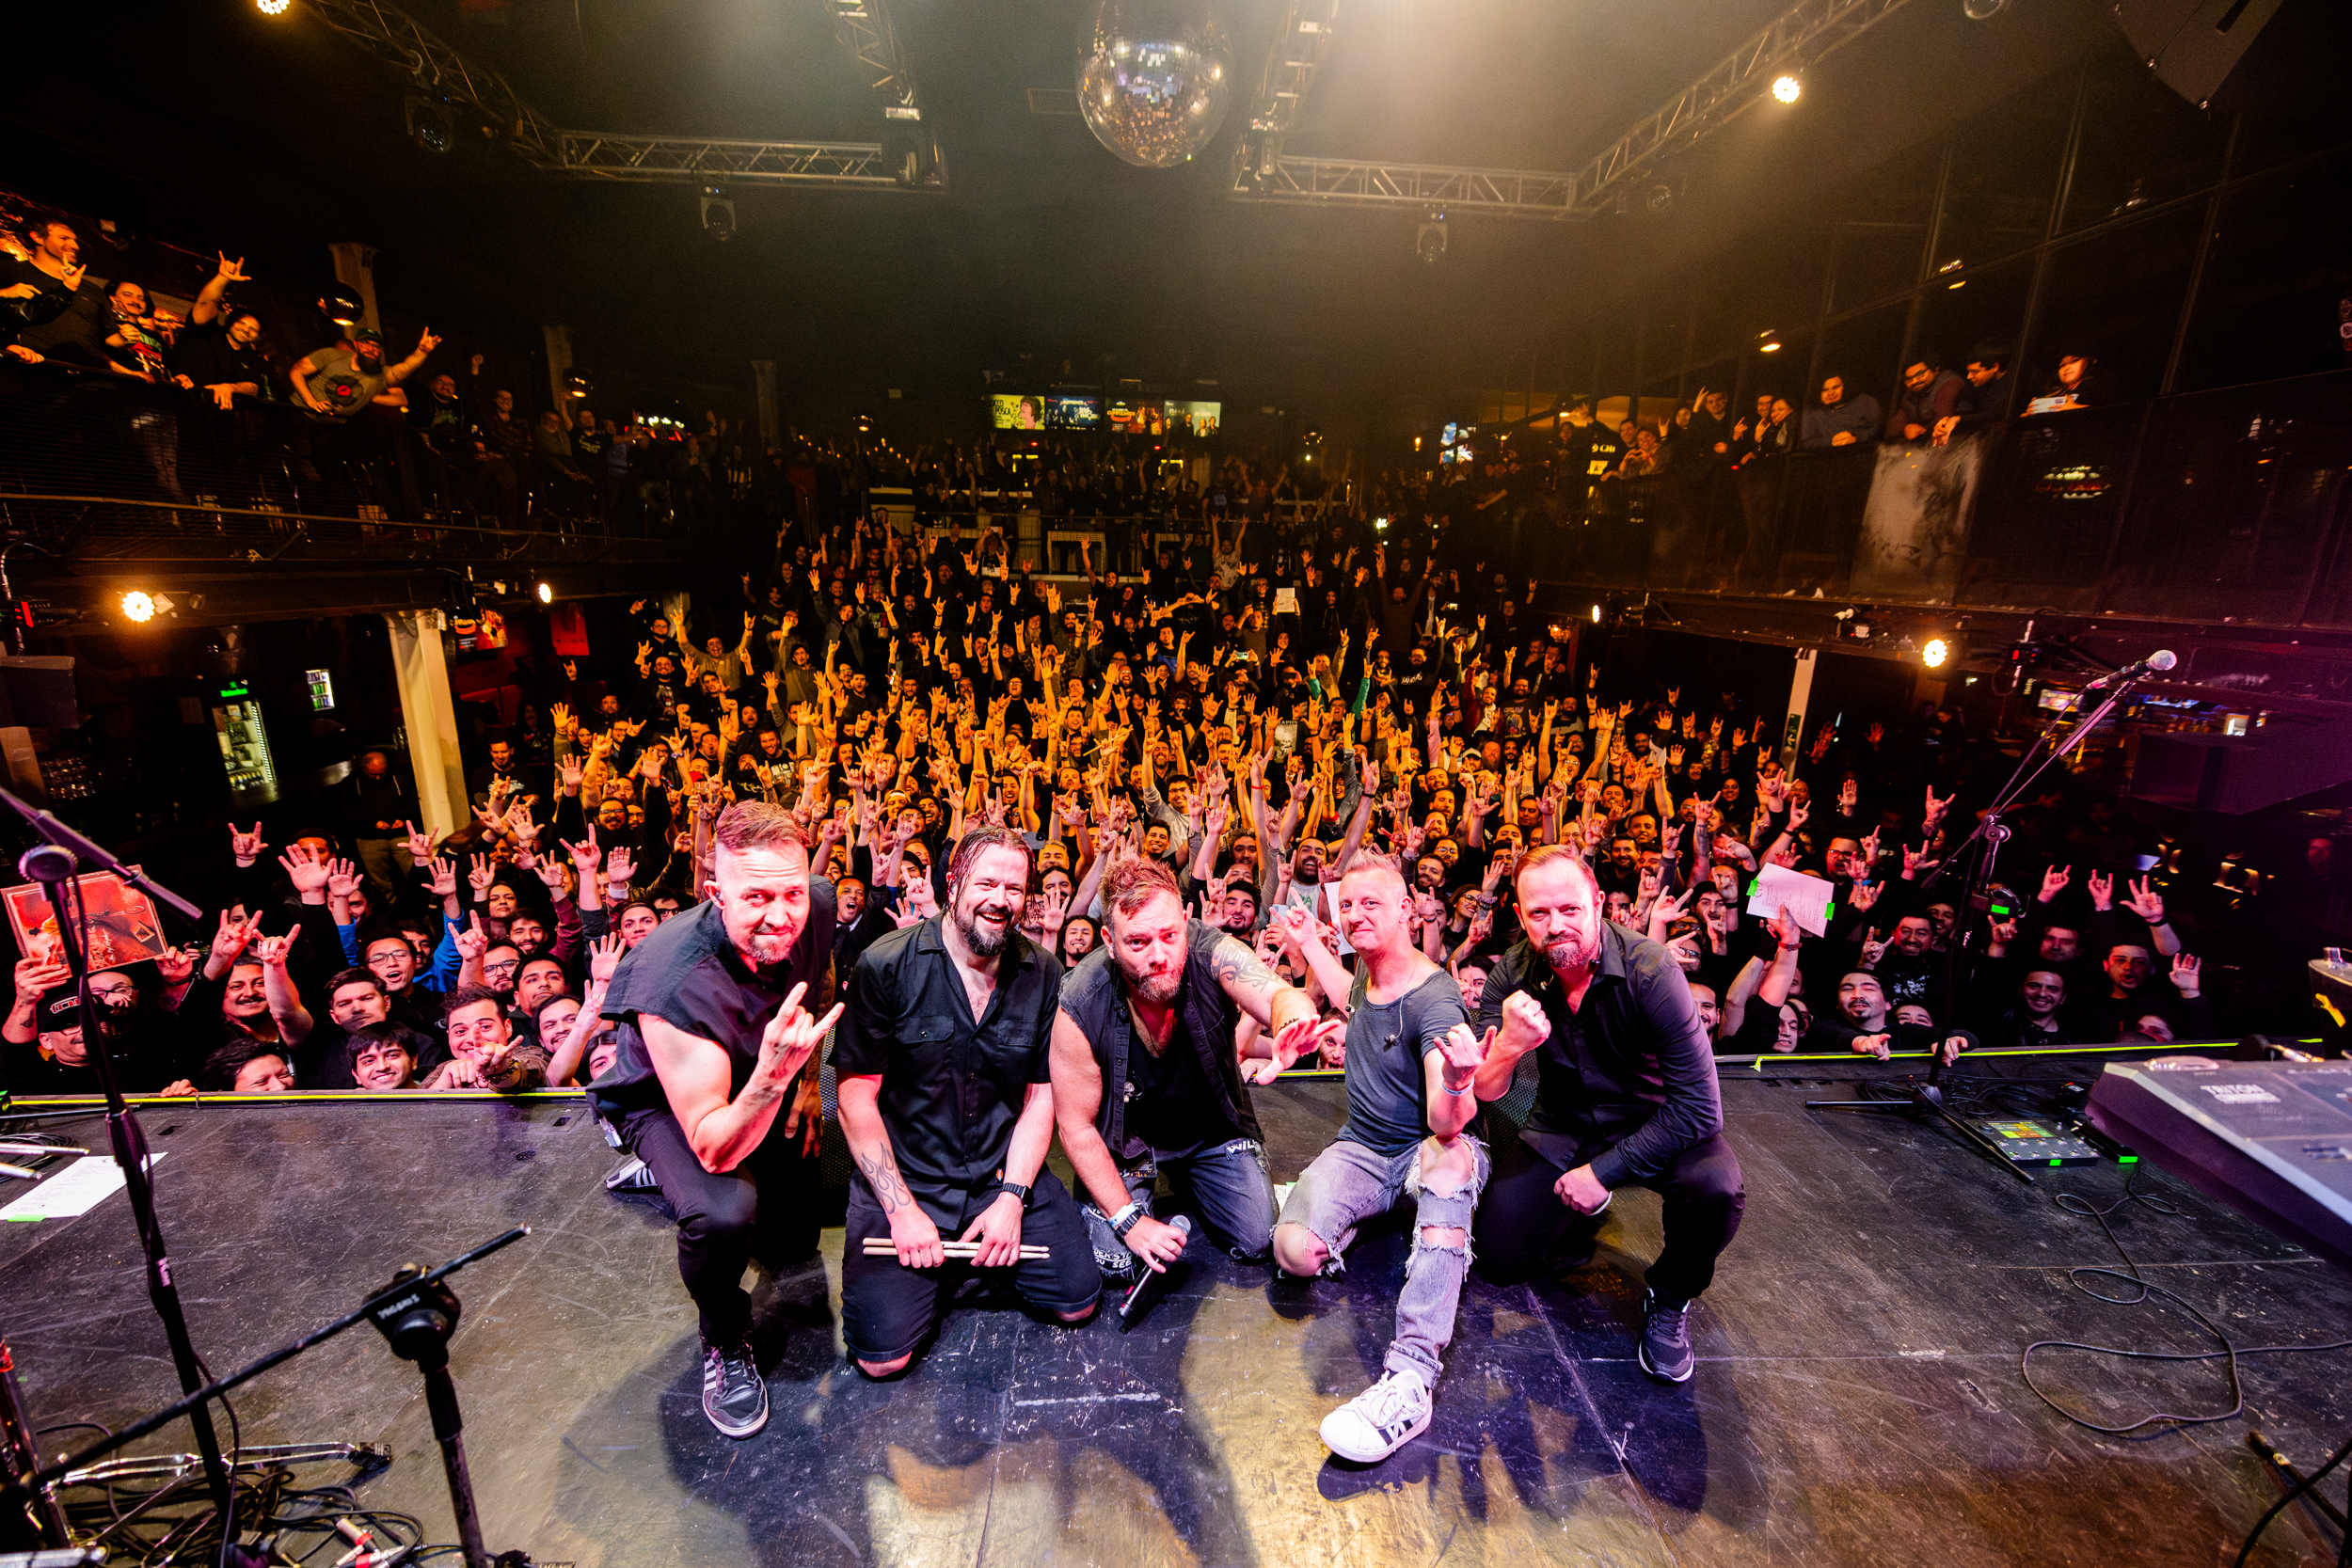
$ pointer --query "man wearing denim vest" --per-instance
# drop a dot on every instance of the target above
(1147, 1081)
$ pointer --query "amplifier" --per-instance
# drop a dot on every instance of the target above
(2271, 1139)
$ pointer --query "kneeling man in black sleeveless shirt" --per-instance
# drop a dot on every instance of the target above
(711, 1033)
(1146, 1081)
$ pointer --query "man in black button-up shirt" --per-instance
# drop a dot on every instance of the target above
(1628, 1096)
(949, 1109)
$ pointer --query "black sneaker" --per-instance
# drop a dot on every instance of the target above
(735, 1396)
(1667, 1353)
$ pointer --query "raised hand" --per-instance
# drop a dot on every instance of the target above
(419, 843)
(2185, 969)
(342, 879)
(471, 943)
(1525, 1025)
(481, 873)
(2102, 886)
(1873, 948)
(444, 873)
(1863, 897)
(1461, 1054)
(620, 865)
(2146, 902)
(234, 936)
(273, 952)
(1785, 929)
(247, 847)
(37, 975)
(306, 869)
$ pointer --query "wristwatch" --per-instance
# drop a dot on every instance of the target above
(1125, 1220)
(1015, 1188)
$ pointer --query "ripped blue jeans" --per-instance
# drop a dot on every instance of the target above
(1349, 1184)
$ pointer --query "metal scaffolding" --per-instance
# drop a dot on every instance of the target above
(1289, 72)
(402, 43)
(1805, 34)
(864, 30)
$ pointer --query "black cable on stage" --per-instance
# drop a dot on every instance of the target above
(2230, 1351)
(2343, 1552)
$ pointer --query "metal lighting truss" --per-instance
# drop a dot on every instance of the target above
(400, 42)
(1289, 71)
(1806, 32)
(864, 30)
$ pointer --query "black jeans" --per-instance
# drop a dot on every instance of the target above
(765, 1206)
(1521, 1220)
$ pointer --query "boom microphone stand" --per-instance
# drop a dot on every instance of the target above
(54, 864)
(1980, 850)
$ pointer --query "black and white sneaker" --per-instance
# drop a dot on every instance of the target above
(1667, 1353)
(631, 1175)
(735, 1396)
(1380, 1421)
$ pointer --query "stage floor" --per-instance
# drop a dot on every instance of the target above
(1858, 1398)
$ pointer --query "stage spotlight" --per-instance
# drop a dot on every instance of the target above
(429, 125)
(273, 7)
(546, 594)
(1787, 89)
(137, 607)
(1983, 10)
(1429, 240)
(1935, 653)
(1597, 615)
(718, 213)
(1661, 198)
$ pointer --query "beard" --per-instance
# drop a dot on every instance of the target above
(1570, 950)
(984, 939)
(1158, 989)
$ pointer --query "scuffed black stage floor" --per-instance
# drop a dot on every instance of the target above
(1857, 1399)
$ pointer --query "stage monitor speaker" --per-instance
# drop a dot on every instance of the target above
(36, 690)
(2270, 57)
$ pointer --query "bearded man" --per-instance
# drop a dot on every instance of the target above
(711, 1033)
(948, 1106)
(1627, 1097)
(1154, 1013)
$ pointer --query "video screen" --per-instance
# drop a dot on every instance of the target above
(1132, 419)
(1074, 411)
(1016, 411)
(1193, 419)
(1453, 443)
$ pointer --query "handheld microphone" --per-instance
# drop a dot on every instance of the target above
(2155, 663)
(1181, 1223)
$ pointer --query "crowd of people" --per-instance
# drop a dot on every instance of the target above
(1251, 714)
(1013, 860)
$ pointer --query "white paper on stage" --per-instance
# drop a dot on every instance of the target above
(1805, 898)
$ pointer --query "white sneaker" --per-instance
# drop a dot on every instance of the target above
(1380, 1421)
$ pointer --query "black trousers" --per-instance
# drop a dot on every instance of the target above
(1521, 1221)
(766, 1207)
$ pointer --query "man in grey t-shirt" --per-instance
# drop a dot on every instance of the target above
(336, 383)
(1412, 1060)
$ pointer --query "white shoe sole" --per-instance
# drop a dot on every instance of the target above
(1372, 1456)
(1641, 1354)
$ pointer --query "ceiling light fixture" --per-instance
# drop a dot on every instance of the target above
(1787, 89)
(137, 605)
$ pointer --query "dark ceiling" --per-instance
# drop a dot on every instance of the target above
(207, 121)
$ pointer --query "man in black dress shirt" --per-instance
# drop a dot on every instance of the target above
(947, 1105)
(1627, 1097)
(712, 1035)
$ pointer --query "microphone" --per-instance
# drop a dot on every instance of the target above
(1182, 1223)
(2155, 663)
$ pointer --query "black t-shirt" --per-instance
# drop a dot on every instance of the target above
(1171, 1106)
(690, 976)
(206, 356)
(324, 1060)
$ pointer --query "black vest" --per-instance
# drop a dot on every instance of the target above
(1094, 997)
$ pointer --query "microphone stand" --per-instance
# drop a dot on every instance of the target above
(52, 864)
(1981, 849)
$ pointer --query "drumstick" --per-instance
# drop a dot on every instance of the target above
(882, 1247)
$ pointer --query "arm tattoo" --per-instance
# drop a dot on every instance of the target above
(881, 1173)
(1236, 965)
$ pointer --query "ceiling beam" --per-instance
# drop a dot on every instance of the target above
(1282, 87)
(864, 30)
(413, 52)
(1801, 36)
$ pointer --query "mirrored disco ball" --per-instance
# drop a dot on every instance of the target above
(1154, 77)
